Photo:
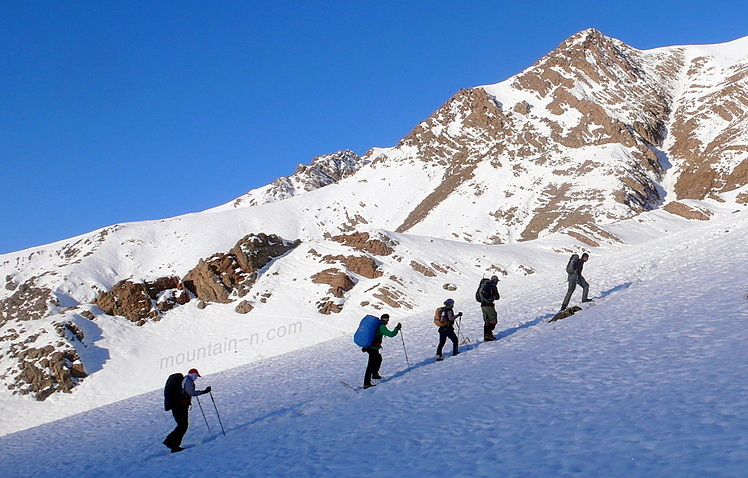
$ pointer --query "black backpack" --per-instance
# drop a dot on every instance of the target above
(479, 293)
(571, 266)
(173, 391)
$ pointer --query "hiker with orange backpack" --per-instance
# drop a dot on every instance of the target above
(445, 319)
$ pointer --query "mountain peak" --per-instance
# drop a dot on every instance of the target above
(322, 171)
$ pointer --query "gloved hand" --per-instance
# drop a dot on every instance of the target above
(399, 326)
(459, 314)
(208, 389)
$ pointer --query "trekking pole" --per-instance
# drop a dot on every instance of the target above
(217, 414)
(405, 350)
(204, 417)
(464, 340)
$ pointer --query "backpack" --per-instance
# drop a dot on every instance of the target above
(571, 266)
(440, 319)
(173, 391)
(366, 332)
(479, 293)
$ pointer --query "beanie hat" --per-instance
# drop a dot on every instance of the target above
(449, 302)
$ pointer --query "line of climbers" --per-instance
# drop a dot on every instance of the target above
(180, 389)
(373, 329)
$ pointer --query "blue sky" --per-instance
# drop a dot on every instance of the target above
(113, 112)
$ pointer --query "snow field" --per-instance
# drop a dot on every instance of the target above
(651, 380)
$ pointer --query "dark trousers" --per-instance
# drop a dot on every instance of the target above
(444, 334)
(488, 331)
(181, 416)
(490, 318)
(575, 279)
(372, 368)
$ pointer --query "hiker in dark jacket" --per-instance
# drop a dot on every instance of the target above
(375, 357)
(489, 293)
(181, 410)
(575, 278)
(447, 330)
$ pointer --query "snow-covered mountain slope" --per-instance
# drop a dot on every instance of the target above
(649, 381)
(323, 171)
(545, 163)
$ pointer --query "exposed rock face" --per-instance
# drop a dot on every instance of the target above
(128, 299)
(585, 129)
(141, 301)
(425, 270)
(361, 265)
(328, 307)
(323, 171)
(244, 307)
(709, 159)
(221, 275)
(362, 241)
(684, 210)
(27, 302)
(45, 371)
(44, 362)
(339, 281)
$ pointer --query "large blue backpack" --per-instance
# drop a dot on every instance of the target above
(366, 332)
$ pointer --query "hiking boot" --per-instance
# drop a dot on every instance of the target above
(177, 449)
(376, 376)
(369, 385)
(439, 358)
(168, 445)
(489, 338)
(455, 353)
(586, 300)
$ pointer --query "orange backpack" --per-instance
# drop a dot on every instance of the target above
(439, 318)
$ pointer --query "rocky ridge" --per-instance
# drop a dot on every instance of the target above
(322, 171)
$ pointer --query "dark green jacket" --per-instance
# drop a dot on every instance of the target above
(381, 332)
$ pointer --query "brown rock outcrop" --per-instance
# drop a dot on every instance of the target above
(45, 370)
(244, 307)
(339, 281)
(221, 275)
(362, 241)
(143, 301)
(684, 210)
(128, 299)
(361, 265)
(27, 302)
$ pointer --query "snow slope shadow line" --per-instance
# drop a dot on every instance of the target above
(470, 346)
(617, 288)
(274, 414)
(532, 323)
(501, 335)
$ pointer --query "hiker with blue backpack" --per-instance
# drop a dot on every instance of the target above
(445, 318)
(369, 337)
(574, 270)
(486, 294)
(178, 394)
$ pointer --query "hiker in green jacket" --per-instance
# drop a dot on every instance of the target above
(375, 357)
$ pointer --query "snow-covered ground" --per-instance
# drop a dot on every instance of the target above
(651, 380)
